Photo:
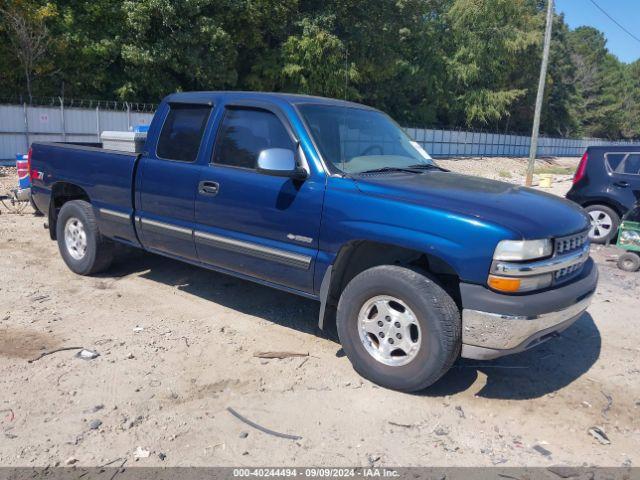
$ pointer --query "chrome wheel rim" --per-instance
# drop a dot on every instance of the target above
(389, 330)
(601, 224)
(75, 238)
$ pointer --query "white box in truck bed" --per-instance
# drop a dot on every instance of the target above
(123, 141)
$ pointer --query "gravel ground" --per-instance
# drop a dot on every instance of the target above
(514, 170)
(177, 346)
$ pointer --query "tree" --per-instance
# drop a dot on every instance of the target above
(317, 62)
(177, 45)
(26, 28)
(446, 63)
(491, 40)
(87, 49)
(560, 92)
(631, 101)
(599, 80)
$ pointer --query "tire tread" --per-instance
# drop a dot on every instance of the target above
(449, 325)
(104, 247)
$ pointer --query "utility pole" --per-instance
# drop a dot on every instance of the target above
(543, 75)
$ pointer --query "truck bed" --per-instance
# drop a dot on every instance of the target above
(107, 177)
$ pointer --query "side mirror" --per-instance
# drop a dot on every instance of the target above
(280, 162)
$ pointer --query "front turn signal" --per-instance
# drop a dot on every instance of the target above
(504, 284)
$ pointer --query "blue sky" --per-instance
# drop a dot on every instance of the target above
(626, 12)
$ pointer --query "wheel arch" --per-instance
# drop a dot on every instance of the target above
(61, 193)
(358, 255)
(613, 205)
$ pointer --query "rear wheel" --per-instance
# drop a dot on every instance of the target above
(83, 248)
(629, 262)
(604, 223)
(398, 327)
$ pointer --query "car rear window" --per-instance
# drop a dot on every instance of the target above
(631, 165)
(625, 163)
(182, 132)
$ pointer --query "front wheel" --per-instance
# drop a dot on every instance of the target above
(83, 248)
(398, 327)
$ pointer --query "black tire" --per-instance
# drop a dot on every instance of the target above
(437, 315)
(99, 250)
(612, 230)
(629, 262)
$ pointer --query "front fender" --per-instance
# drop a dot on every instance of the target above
(463, 242)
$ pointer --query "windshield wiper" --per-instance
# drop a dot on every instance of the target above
(391, 169)
(427, 166)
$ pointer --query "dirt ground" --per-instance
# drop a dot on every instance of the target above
(176, 349)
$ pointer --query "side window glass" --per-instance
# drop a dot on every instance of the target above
(182, 132)
(614, 160)
(245, 133)
(631, 164)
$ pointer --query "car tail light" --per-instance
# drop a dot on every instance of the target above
(582, 168)
(33, 173)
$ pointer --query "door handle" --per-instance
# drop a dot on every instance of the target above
(622, 184)
(207, 187)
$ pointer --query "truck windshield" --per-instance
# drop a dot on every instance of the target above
(357, 140)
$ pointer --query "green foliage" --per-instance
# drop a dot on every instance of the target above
(490, 38)
(179, 45)
(599, 82)
(316, 62)
(447, 63)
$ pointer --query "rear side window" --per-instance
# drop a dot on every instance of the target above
(614, 160)
(245, 133)
(182, 132)
(631, 164)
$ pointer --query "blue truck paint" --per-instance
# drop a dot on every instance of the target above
(287, 233)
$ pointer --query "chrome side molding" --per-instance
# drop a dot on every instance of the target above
(114, 214)
(155, 225)
(230, 244)
(255, 250)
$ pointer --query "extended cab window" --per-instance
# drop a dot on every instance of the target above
(245, 133)
(182, 132)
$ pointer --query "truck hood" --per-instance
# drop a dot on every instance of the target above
(525, 211)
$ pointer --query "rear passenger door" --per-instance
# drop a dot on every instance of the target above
(626, 176)
(168, 180)
(258, 225)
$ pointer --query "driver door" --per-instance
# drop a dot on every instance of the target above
(258, 225)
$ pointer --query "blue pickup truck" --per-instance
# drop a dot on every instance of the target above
(330, 200)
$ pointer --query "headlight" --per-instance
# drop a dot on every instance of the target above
(519, 250)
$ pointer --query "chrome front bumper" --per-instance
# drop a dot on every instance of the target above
(488, 335)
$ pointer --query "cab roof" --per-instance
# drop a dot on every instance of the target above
(290, 98)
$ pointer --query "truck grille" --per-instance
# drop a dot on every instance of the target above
(567, 245)
(566, 272)
(571, 243)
